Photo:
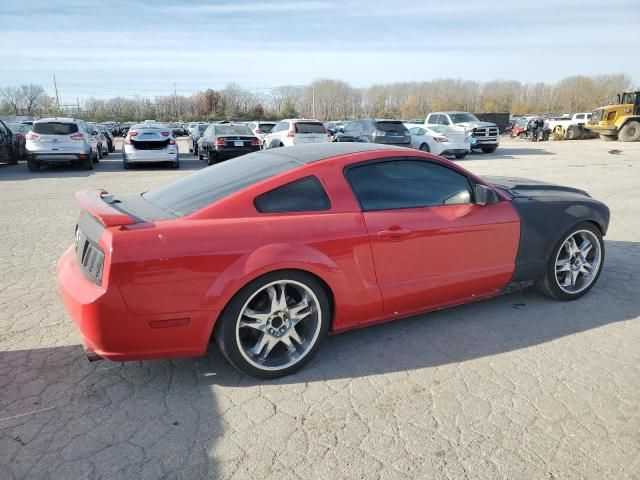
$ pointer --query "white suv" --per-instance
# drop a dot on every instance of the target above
(296, 131)
(61, 141)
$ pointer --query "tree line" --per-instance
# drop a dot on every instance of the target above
(328, 99)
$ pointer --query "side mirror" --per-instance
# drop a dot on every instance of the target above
(484, 195)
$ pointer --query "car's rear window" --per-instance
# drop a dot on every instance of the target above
(233, 130)
(198, 190)
(310, 127)
(202, 128)
(54, 128)
(391, 127)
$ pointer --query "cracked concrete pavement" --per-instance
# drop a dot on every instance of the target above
(515, 387)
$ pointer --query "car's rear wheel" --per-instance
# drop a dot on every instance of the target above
(33, 165)
(99, 154)
(425, 147)
(211, 158)
(274, 325)
(87, 163)
(195, 149)
(575, 263)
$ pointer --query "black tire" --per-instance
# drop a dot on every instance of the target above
(608, 138)
(195, 149)
(489, 149)
(630, 132)
(548, 285)
(190, 147)
(225, 329)
(98, 155)
(573, 133)
(33, 165)
(460, 156)
(87, 163)
(425, 147)
(112, 147)
(211, 159)
(175, 164)
(105, 151)
(127, 165)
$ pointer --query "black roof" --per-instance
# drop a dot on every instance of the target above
(314, 152)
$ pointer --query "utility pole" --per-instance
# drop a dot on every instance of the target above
(175, 100)
(55, 85)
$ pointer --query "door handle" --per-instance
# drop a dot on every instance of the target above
(393, 233)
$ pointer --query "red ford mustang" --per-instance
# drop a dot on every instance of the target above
(269, 252)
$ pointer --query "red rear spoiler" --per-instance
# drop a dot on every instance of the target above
(92, 202)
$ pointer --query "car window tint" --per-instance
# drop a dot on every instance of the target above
(396, 127)
(304, 195)
(55, 128)
(198, 190)
(407, 184)
(266, 127)
(310, 127)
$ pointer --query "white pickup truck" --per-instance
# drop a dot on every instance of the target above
(484, 135)
(573, 127)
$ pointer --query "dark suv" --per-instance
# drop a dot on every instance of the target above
(371, 130)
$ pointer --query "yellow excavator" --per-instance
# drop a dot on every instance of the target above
(619, 121)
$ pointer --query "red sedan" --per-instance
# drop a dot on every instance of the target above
(269, 252)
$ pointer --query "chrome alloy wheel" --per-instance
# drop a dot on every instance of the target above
(578, 261)
(278, 325)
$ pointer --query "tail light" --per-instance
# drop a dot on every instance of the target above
(165, 134)
(33, 136)
(255, 142)
(172, 141)
(441, 139)
(133, 133)
(127, 141)
(20, 135)
(219, 141)
(291, 133)
(77, 136)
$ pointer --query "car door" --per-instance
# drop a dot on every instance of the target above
(431, 245)
(6, 142)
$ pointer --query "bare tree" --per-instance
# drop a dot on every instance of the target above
(12, 96)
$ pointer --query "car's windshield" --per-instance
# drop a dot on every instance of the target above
(266, 127)
(193, 192)
(54, 128)
(233, 130)
(463, 117)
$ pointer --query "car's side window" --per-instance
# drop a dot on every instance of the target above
(280, 127)
(407, 183)
(304, 195)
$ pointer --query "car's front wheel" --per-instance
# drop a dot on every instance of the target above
(489, 149)
(575, 263)
(274, 325)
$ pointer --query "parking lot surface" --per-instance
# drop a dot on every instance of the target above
(515, 387)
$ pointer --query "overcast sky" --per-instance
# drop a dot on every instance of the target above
(143, 47)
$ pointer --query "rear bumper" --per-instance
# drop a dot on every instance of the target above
(44, 156)
(231, 152)
(132, 155)
(111, 331)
